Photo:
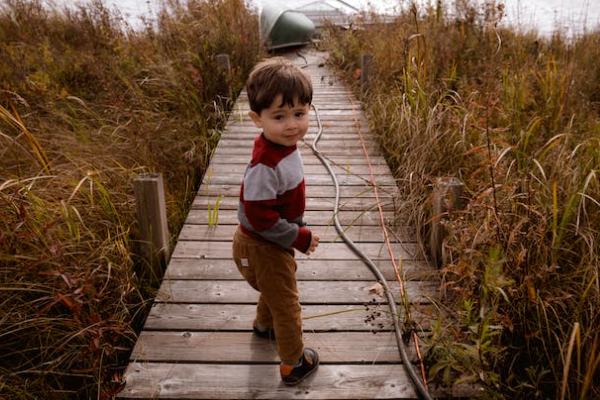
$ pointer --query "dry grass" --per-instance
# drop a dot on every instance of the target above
(86, 104)
(517, 118)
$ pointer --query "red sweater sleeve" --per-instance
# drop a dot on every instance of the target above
(302, 242)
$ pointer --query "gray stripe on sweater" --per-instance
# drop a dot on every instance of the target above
(265, 183)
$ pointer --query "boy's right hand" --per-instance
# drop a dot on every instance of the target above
(314, 243)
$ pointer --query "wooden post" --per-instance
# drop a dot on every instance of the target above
(224, 76)
(152, 218)
(447, 197)
(366, 71)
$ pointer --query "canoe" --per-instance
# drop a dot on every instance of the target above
(281, 27)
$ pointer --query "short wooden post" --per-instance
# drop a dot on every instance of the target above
(152, 218)
(366, 71)
(224, 76)
(447, 197)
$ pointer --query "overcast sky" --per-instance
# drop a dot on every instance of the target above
(546, 15)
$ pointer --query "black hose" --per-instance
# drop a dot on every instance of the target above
(421, 389)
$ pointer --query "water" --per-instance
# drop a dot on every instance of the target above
(572, 17)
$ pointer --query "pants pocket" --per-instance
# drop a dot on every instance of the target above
(241, 257)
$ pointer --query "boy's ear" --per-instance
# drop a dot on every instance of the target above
(255, 117)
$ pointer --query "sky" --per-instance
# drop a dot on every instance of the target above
(546, 15)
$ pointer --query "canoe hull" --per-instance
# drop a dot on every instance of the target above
(282, 28)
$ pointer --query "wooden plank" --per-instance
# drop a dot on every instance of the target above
(315, 318)
(347, 123)
(312, 191)
(351, 169)
(241, 123)
(331, 131)
(327, 138)
(308, 269)
(323, 145)
(312, 179)
(202, 202)
(202, 250)
(344, 160)
(343, 112)
(331, 134)
(357, 233)
(227, 381)
(337, 99)
(247, 151)
(311, 292)
(335, 93)
(244, 347)
(314, 218)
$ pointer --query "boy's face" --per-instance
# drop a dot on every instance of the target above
(283, 125)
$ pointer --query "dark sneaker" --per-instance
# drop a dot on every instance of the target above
(268, 333)
(309, 363)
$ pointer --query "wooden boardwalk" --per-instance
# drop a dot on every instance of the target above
(197, 342)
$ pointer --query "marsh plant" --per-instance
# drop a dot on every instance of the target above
(87, 103)
(516, 117)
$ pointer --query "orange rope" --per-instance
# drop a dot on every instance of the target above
(386, 235)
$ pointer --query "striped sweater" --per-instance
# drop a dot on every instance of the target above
(272, 196)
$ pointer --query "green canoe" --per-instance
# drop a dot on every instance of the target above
(281, 27)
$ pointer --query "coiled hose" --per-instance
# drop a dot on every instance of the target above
(421, 389)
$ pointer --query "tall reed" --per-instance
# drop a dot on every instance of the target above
(87, 103)
(517, 117)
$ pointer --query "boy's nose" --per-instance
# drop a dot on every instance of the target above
(291, 124)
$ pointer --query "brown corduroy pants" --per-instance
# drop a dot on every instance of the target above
(271, 269)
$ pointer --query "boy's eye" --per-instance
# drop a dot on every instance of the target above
(300, 114)
(279, 117)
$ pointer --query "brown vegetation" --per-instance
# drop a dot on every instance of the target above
(87, 103)
(517, 118)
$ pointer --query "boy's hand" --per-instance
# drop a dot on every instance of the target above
(314, 242)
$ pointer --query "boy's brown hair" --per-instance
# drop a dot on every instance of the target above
(276, 76)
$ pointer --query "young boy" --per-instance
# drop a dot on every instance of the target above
(271, 211)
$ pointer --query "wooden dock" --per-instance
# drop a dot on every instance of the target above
(197, 342)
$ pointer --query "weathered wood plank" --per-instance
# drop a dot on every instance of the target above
(247, 151)
(359, 234)
(234, 178)
(314, 218)
(308, 269)
(322, 145)
(202, 202)
(333, 381)
(312, 191)
(202, 250)
(316, 318)
(244, 347)
(343, 136)
(330, 125)
(343, 160)
(356, 169)
(347, 123)
(331, 132)
(339, 101)
(226, 381)
(311, 292)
